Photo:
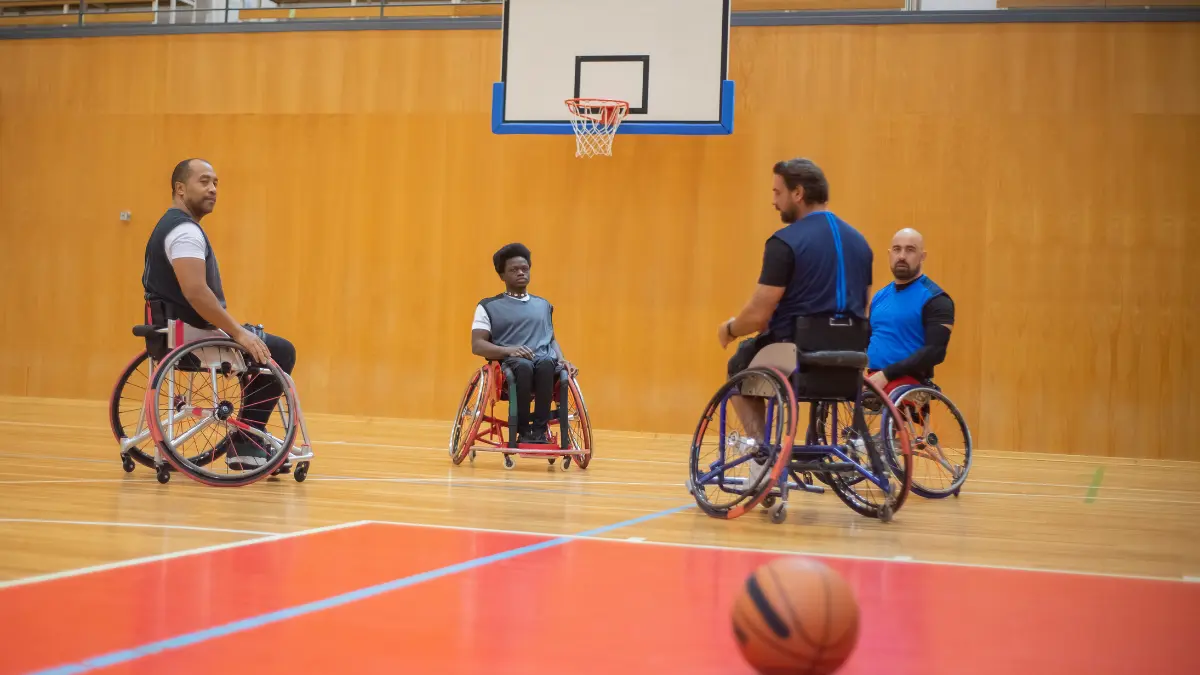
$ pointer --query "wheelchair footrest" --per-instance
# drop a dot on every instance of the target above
(531, 450)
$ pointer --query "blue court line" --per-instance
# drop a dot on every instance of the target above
(126, 655)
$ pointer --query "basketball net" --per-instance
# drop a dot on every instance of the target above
(595, 122)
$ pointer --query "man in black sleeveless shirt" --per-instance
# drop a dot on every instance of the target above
(181, 272)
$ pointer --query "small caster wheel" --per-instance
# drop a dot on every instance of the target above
(778, 512)
(509, 462)
(551, 461)
(566, 463)
(768, 502)
(886, 513)
(472, 456)
(301, 472)
(691, 487)
(955, 491)
(127, 463)
(163, 474)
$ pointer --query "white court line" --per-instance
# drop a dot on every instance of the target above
(504, 481)
(1016, 455)
(450, 481)
(169, 556)
(106, 523)
(51, 481)
(52, 425)
(818, 554)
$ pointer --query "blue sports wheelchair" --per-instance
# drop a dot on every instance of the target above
(734, 468)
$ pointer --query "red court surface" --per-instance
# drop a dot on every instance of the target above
(577, 606)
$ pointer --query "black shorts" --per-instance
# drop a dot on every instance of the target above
(747, 350)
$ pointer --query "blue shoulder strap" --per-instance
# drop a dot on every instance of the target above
(841, 265)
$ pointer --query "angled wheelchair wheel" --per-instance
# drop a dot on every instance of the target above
(579, 425)
(941, 441)
(848, 425)
(732, 470)
(125, 412)
(209, 398)
(470, 412)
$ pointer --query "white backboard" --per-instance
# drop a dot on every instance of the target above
(667, 58)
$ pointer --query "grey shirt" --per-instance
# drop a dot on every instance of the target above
(519, 322)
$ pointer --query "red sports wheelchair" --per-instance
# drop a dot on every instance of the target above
(479, 429)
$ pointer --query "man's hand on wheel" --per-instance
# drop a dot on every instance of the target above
(254, 346)
(571, 369)
(521, 352)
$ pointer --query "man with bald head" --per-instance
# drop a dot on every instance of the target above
(911, 318)
(182, 281)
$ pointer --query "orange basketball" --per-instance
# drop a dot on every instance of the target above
(796, 615)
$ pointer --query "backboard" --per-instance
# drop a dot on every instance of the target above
(669, 59)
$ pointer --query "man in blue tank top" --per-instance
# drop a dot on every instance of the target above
(911, 318)
(816, 266)
(517, 329)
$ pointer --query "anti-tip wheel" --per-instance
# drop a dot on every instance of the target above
(778, 512)
(509, 462)
(768, 501)
(163, 474)
(566, 463)
(301, 472)
(127, 463)
(886, 513)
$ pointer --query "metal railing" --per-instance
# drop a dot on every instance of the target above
(15, 14)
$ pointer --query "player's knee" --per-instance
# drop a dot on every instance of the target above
(740, 359)
(283, 351)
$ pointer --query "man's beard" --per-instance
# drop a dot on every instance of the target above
(788, 216)
(905, 273)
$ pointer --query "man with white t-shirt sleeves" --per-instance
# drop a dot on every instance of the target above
(517, 329)
(181, 275)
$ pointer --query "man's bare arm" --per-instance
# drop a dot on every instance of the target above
(481, 345)
(757, 312)
(191, 276)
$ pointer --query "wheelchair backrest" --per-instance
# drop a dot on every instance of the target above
(158, 345)
(829, 334)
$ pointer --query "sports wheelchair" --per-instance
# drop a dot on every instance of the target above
(941, 440)
(822, 367)
(186, 399)
(478, 428)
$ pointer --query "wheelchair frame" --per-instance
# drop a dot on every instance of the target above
(919, 440)
(486, 432)
(792, 465)
(164, 462)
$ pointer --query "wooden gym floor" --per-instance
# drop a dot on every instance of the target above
(388, 559)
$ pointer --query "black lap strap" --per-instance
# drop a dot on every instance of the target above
(834, 359)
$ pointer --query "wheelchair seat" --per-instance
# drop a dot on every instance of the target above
(825, 359)
(834, 359)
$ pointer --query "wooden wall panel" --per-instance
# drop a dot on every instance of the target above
(1051, 167)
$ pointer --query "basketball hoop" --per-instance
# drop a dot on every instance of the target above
(595, 122)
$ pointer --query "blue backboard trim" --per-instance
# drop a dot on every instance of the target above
(724, 127)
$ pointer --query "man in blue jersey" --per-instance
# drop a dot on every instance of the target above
(517, 329)
(911, 318)
(816, 266)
